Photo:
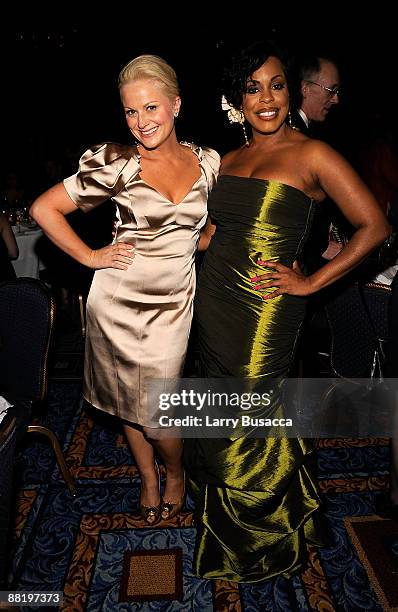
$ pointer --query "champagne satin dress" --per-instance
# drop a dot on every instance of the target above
(256, 500)
(138, 320)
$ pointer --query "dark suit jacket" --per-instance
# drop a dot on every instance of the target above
(298, 122)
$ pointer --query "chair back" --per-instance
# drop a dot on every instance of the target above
(377, 298)
(8, 438)
(27, 313)
(354, 339)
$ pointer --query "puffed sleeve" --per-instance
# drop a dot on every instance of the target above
(211, 164)
(103, 172)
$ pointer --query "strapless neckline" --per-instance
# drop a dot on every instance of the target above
(268, 181)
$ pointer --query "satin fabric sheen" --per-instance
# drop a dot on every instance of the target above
(255, 497)
(138, 320)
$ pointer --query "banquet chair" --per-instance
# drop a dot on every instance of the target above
(8, 437)
(79, 299)
(27, 313)
(377, 297)
(358, 322)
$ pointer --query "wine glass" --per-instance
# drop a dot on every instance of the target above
(11, 216)
(25, 215)
(19, 218)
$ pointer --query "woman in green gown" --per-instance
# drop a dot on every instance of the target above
(256, 501)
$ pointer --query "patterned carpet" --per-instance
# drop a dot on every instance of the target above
(83, 545)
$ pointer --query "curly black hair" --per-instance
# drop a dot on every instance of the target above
(242, 66)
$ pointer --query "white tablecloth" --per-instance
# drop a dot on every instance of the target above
(28, 262)
(4, 405)
(386, 276)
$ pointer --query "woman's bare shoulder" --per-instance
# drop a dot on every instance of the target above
(312, 146)
(230, 158)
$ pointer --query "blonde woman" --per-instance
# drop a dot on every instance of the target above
(139, 308)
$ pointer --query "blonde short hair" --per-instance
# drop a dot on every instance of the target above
(151, 67)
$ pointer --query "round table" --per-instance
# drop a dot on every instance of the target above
(28, 262)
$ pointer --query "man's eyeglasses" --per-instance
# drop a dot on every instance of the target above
(332, 91)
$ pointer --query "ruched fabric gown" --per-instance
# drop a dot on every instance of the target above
(256, 501)
(138, 320)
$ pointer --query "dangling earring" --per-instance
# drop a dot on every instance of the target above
(176, 114)
(290, 121)
(247, 143)
(241, 120)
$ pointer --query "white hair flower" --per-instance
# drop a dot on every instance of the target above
(234, 115)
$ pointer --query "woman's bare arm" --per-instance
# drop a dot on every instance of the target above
(336, 178)
(49, 212)
(343, 185)
(8, 236)
(206, 235)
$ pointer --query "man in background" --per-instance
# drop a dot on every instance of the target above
(319, 89)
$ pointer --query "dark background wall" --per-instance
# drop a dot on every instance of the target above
(59, 74)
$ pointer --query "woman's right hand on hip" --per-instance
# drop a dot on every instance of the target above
(119, 255)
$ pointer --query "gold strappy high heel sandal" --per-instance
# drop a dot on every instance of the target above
(152, 514)
(170, 509)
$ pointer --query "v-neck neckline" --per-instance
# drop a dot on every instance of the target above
(196, 150)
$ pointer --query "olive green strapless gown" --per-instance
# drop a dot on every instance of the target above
(256, 500)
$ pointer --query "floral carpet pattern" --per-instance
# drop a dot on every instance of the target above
(77, 544)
